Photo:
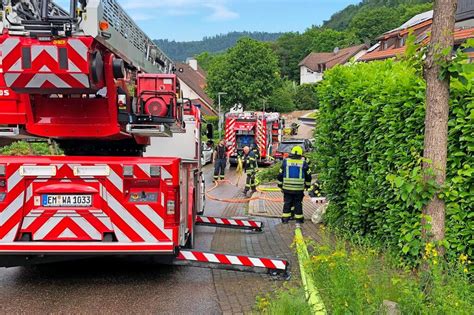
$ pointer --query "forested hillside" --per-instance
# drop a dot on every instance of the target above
(356, 24)
(179, 51)
(342, 19)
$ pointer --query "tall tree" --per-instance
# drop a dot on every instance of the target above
(437, 111)
(248, 72)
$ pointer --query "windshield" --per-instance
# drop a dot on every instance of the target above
(286, 147)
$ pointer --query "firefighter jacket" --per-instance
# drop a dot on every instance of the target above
(250, 162)
(256, 151)
(315, 190)
(294, 175)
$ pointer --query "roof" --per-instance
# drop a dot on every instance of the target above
(417, 19)
(460, 35)
(196, 80)
(331, 59)
(383, 54)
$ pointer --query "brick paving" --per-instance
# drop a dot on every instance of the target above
(273, 208)
(237, 291)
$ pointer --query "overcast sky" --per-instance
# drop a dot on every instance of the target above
(186, 20)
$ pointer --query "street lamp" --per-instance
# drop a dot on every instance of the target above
(220, 116)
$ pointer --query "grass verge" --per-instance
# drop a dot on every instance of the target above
(357, 279)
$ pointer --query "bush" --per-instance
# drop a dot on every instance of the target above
(306, 97)
(269, 174)
(281, 100)
(358, 279)
(369, 143)
(24, 148)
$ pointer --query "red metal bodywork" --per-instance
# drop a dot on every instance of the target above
(263, 128)
(137, 226)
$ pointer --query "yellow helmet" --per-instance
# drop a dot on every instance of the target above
(297, 150)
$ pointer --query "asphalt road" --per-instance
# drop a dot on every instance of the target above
(114, 285)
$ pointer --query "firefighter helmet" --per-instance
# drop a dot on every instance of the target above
(297, 150)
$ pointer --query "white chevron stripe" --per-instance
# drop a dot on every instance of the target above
(10, 78)
(36, 50)
(129, 219)
(82, 78)
(8, 45)
(46, 228)
(10, 237)
(88, 228)
(116, 180)
(79, 47)
(156, 219)
(12, 208)
(67, 233)
(16, 66)
(39, 79)
(13, 180)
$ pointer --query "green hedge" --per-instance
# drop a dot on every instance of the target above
(369, 143)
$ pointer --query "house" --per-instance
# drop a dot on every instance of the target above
(313, 66)
(393, 43)
(192, 79)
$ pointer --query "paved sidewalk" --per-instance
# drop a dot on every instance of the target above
(237, 291)
(274, 207)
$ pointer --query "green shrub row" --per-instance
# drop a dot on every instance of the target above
(369, 143)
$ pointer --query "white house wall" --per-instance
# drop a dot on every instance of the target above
(308, 76)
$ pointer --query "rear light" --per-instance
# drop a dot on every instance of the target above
(38, 170)
(2, 169)
(170, 207)
(3, 183)
(128, 170)
(155, 171)
(93, 170)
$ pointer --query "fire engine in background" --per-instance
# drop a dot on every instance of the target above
(93, 81)
(260, 129)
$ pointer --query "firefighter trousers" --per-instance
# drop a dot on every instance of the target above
(219, 168)
(251, 183)
(293, 201)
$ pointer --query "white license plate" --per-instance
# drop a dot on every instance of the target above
(66, 200)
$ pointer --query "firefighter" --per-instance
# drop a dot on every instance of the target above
(256, 151)
(220, 161)
(250, 166)
(293, 178)
(315, 190)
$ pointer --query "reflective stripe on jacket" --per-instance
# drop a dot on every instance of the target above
(294, 175)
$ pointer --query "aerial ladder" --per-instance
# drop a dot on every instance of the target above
(91, 79)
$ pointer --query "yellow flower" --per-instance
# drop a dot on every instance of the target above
(435, 262)
(463, 258)
(465, 270)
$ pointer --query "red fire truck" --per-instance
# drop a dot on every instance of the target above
(253, 129)
(94, 82)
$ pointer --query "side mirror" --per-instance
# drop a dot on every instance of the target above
(210, 131)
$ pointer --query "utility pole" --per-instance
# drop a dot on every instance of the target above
(437, 114)
(219, 124)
